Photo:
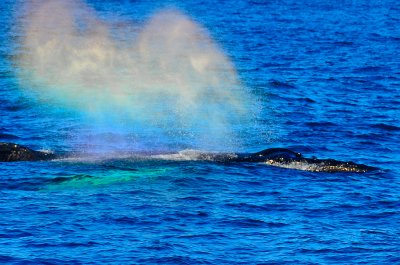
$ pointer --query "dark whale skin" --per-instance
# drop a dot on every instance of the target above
(10, 152)
(278, 157)
(281, 157)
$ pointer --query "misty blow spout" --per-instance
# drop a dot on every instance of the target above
(167, 76)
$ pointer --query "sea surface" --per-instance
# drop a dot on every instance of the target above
(327, 75)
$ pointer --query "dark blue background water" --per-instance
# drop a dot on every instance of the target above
(328, 76)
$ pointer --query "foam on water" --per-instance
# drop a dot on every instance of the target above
(191, 155)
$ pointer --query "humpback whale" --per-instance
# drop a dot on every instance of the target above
(278, 157)
(10, 152)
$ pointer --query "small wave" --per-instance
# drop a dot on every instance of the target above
(58, 180)
(369, 69)
(306, 99)
(386, 127)
(343, 43)
(174, 260)
(11, 260)
(279, 84)
(79, 244)
(8, 136)
(320, 124)
(63, 261)
(245, 223)
(127, 220)
(15, 234)
(376, 215)
(244, 207)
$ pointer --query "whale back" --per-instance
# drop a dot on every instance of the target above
(10, 152)
(279, 157)
(281, 154)
(282, 157)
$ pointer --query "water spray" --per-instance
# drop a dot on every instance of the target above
(169, 82)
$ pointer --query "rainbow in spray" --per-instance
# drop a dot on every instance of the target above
(166, 80)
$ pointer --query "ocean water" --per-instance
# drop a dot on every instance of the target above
(326, 78)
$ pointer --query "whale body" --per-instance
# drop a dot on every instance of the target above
(10, 152)
(278, 157)
(286, 158)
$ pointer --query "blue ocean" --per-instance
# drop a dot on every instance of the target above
(102, 80)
